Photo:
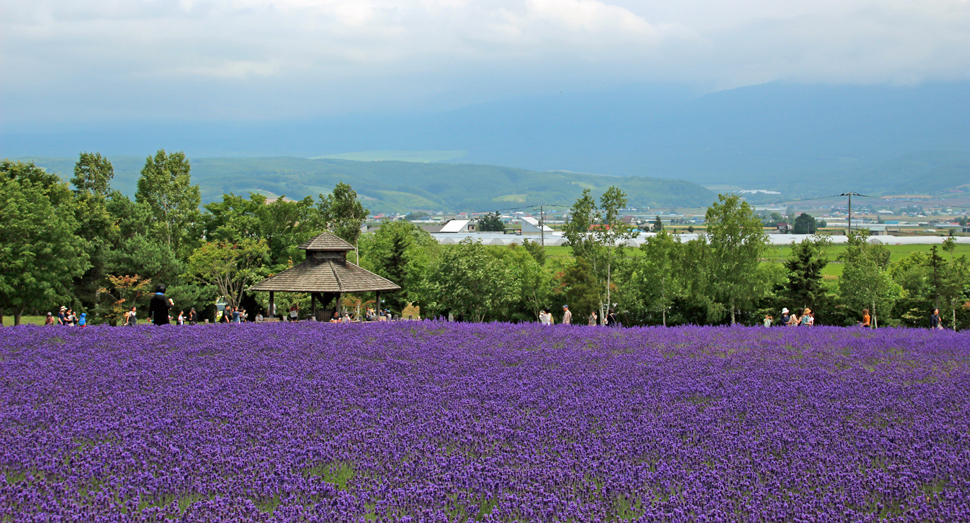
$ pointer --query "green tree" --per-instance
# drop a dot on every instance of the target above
(537, 251)
(865, 281)
(40, 254)
(583, 215)
(658, 277)
(134, 250)
(231, 267)
(528, 278)
(93, 174)
(805, 263)
(403, 253)
(611, 233)
(804, 224)
(491, 223)
(658, 225)
(166, 188)
(96, 225)
(955, 283)
(580, 289)
(697, 289)
(470, 283)
(737, 242)
(283, 224)
(343, 214)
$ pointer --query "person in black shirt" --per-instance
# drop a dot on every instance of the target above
(193, 316)
(159, 306)
(611, 319)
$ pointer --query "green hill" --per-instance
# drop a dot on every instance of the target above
(396, 186)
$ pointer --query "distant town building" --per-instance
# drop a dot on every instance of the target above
(458, 226)
(531, 225)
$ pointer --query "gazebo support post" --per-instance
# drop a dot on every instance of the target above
(313, 305)
(272, 304)
(377, 307)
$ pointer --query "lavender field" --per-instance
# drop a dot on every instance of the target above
(447, 422)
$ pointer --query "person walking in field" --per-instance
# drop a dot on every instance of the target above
(567, 316)
(130, 319)
(543, 317)
(159, 306)
(935, 322)
(593, 319)
(768, 320)
(294, 312)
(866, 319)
(784, 316)
(49, 320)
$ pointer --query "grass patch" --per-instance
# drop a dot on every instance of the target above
(337, 473)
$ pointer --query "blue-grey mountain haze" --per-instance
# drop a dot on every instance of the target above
(802, 140)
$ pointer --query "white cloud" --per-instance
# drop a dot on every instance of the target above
(335, 55)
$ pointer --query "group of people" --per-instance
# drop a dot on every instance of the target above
(806, 317)
(67, 317)
(545, 317)
(376, 315)
(803, 318)
(233, 315)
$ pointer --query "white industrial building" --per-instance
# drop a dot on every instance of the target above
(531, 225)
(458, 226)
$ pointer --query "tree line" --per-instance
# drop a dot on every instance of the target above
(82, 244)
(87, 246)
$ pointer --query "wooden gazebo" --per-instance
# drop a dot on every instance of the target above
(326, 274)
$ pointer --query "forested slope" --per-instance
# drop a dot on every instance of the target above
(401, 186)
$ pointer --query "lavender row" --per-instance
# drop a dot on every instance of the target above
(493, 422)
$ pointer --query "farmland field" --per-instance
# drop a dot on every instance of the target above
(426, 421)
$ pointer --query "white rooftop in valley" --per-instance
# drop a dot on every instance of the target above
(530, 224)
(455, 226)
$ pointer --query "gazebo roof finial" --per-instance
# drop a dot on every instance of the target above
(326, 241)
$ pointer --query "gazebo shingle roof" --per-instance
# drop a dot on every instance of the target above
(327, 276)
(326, 269)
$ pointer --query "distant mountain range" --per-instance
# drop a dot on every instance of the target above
(800, 140)
(396, 186)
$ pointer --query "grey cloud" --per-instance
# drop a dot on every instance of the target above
(264, 59)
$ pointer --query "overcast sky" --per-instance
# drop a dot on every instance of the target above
(135, 60)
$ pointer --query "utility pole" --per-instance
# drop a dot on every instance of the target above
(850, 195)
(542, 228)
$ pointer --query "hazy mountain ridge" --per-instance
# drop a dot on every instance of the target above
(402, 186)
(801, 140)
